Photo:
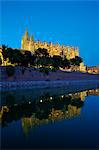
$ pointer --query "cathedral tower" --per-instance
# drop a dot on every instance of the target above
(24, 41)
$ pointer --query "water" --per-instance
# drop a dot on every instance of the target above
(51, 118)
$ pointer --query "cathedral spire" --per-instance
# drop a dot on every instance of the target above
(31, 38)
(26, 34)
(24, 39)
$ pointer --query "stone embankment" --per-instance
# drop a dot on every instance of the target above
(34, 78)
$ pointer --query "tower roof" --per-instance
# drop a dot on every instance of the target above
(26, 32)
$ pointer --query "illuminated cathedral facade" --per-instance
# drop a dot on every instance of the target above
(28, 43)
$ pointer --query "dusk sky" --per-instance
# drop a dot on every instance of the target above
(72, 23)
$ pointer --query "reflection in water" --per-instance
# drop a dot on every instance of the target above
(43, 110)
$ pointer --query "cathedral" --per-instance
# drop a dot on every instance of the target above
(28, 43)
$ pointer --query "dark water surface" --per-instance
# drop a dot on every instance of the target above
(51, 118)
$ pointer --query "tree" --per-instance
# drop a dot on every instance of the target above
(32, 60)
(4, 52)
(72, 61)
(40, 52)
(10, 70)
(56, 61)
(0, 61)
(44, 61)
(7, 53)
(26, 58)
(65, 63)
(14, 56)
(76, 61)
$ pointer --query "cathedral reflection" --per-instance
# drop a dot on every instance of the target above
(44, 110)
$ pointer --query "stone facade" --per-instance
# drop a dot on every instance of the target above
(28, 43)
(93, 69)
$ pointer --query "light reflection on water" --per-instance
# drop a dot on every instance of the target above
(29, 121)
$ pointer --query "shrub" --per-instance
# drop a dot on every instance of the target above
(10, 70)
(53, 69)
(44, 70)
(10, 99)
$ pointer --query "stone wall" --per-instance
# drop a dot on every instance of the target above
(31, 74)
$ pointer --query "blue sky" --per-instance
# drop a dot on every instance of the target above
(74, 23)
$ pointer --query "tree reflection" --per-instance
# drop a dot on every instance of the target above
(10, 99)
(43, 110)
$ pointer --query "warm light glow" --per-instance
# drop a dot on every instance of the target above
(41, 101)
